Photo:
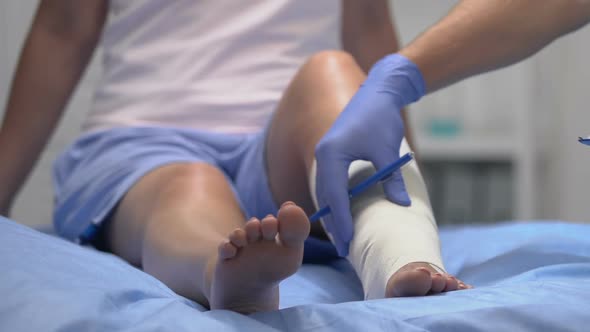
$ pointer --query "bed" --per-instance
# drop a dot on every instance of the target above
(532, 276)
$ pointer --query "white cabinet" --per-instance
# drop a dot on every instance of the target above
(494, 115)
(492, 118)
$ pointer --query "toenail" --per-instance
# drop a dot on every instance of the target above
(438, 274)
(252, 219)
(287, 203)
(423, 269)
(268, 215)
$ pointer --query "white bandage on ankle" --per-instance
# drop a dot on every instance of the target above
(388, 236)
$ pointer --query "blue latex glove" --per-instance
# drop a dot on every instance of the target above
(370, 128)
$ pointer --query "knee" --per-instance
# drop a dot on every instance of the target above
(191, 177)
(332, 63)
(324, 84)
(196, 171)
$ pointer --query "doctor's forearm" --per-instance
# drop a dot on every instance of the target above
(478, 36)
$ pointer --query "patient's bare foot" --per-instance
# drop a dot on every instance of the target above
(419, 279)
(256, 258)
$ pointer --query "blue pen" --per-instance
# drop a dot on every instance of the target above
(584, 140)
(373, 179)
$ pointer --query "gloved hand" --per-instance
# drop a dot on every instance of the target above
(370, 128)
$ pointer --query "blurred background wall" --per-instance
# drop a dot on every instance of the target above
(494, 147)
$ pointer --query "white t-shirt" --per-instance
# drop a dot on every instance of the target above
(217, 65)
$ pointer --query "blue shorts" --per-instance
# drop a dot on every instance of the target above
(96, 171)
(94, 174)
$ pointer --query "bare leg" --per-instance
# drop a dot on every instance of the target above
(172, 222)
(314, 99)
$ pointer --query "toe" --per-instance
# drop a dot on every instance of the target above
(227, 250)
(293, 225)
(269, 227)
(451, 284)
(238, 238)
(409, 283)
(463, 285)
(253, 232)
(438, 283)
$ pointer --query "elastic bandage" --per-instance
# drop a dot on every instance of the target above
(388, 236)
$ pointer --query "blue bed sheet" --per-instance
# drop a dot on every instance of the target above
(528, 276)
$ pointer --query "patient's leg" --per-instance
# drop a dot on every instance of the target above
(409, 232)
(315, 97)
(182, 224)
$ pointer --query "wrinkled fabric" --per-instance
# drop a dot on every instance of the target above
(527, 276)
